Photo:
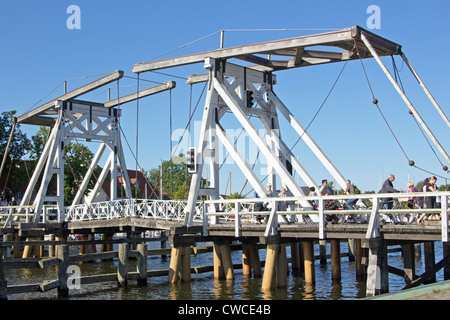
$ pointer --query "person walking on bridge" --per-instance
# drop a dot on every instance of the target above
(388, 187)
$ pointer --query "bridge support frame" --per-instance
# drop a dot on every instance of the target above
(78, 120)
(229, 85)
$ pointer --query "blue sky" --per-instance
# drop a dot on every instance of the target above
(38, 52)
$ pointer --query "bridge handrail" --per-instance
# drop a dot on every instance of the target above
(215, 211)
(374, 212)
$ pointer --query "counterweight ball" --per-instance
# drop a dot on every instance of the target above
(411, 163)
(375, 101)
(445, 168)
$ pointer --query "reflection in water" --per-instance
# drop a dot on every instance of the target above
(205, 287)
(308, 292)
(336, 290)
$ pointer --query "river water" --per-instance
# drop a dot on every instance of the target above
(204, 287)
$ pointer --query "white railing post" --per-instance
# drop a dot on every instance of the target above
(374, 221)
(237, 220)
(272, 223)
(444, 217)
(205, 219)
(322, 222)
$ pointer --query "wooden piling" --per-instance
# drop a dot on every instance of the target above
(175, 264)
(409, 264)
(3, 282)
(122, 265)
(17, 250)
(142, 264)
(377, 270)
(296, 263)
(180, 264)
(282, 267)
(255, 260)
(223, 266)
(446, 253)
(335, 259)
(270, 266)
(308, 251)
(430, 261)
(7, 251)
(186, 265)
(323, 251)
(359, 255)
(51, 248)
(246, 262)
(63, 264)
(351, 250)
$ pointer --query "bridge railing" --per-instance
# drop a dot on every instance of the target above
(9, 214)
(370, 209)
(172, 210)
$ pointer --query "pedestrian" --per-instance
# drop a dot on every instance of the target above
(270, 193)
(313, 193)
(324, 188)
(430, 201)
(413, 202)
(282, 205)
(350, 190)
(3, 203)
(257, 208)
(13, 201)
(388, 187)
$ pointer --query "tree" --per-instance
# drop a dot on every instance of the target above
(39, 140)
(78, 157)
(175, 178)
(13, 174)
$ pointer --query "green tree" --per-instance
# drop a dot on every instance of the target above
(175, 178)
(39, 140)
(13, 174)
(78, 157)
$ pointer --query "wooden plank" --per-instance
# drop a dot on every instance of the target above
(48, 285)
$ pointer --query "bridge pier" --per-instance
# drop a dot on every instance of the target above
(359, 260)
(250, 260)
(297, 260)
(430, 261)
(446, 253)
(335, 259)
(377, 269)
(122, 265)
(223, 266)
(180, 259)
(310, 274)
(275, 267)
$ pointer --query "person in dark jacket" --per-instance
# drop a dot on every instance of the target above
(388, 187)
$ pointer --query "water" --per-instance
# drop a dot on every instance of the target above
(205, 287)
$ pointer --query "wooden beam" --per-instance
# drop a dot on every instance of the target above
(263, 47)
(72, 94)
(141, 94)
(335, 38)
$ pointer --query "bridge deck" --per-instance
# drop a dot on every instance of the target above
(298, 230)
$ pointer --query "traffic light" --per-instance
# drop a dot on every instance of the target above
(191, 160)
(249, 99)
